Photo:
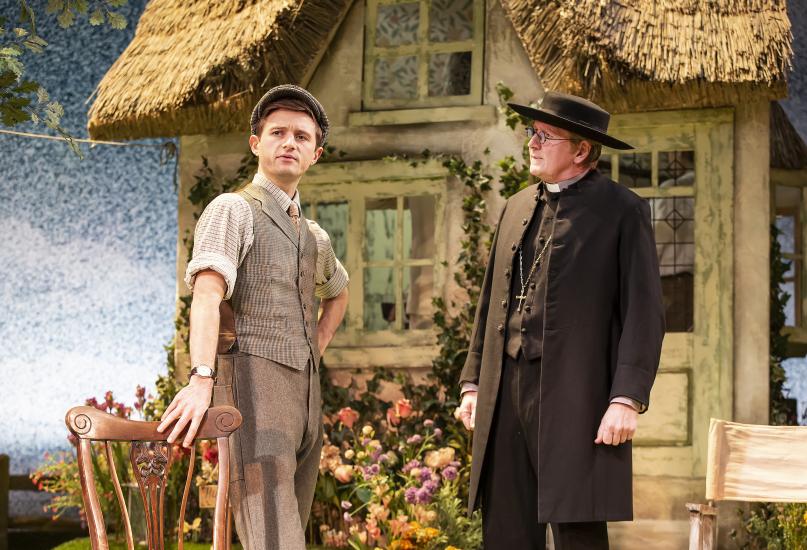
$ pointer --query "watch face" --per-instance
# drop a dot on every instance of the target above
(203, 370)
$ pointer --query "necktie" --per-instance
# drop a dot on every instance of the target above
(295, 216)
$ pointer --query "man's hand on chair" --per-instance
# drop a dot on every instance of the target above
(188, 407)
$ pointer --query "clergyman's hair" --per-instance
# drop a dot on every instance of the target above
(288, 104)
(593, 153)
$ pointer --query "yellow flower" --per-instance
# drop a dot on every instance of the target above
(449, 547)
(805, 518)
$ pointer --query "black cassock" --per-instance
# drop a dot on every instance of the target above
(602, 329)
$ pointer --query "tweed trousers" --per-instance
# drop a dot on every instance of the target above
(276, 452)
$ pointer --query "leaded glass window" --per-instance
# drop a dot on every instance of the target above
(789, 226)
(666, 179)
(424, 53)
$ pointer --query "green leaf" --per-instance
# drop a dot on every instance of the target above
(54, 6)
(10, 50)
(117, 3)
(97, 17)
(66, 19)
(33, 45)
(116, 20)
(82, 6)
(13, 65)
(42, 95)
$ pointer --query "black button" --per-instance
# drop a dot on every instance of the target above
(524, 221)
(535, 196)
(500, 328)
(506, 272)
(528, 309)
(305, 306)
(532, 286)
(542, 241)
(504, 303)
(523, 330)
(513, 247)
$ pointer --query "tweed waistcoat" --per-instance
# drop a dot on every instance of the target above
(273, 298)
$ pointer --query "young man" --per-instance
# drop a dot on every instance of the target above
(566, 342)
(256, 251)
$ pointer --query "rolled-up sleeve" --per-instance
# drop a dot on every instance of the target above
(331, 276)
(222, 238)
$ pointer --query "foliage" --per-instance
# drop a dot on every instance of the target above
(84, 544)
(23, 99)
(394, 486)
(774, 526)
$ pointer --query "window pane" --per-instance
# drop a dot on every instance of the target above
(634, 170)
(379, 298)
(332, 217)
(786, 224)
(419, 227)
(397, 24)
(450, 74)
(676, 168)
(418, 288)
(451, 20)
(396, 77)
(790, 306)
(379, 229)
(674, 228)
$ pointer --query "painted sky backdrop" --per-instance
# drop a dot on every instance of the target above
(87, 253)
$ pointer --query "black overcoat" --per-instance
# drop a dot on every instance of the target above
(603, 328)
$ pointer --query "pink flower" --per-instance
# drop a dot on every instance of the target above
(392, 418)
(211, 455)
(347, 417)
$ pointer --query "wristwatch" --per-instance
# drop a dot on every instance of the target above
(203, 371)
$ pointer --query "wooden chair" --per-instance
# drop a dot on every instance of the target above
(151, 458)
(748, 463)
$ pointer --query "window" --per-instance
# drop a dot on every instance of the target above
(788, 222)
(385, 234)
(423, 53)
(666, 179)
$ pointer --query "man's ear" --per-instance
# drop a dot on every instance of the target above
(253, 144)
(583, 149)
(317, 154)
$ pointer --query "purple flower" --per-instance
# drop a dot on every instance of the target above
(426, 474)
(423, 496)
(430, 486)
(450, 473)
(411, 495)
(347, 517)
(371, 471)
(410, 465)
(346, 505)
(454, 463)
(376, 454)
(414, 440)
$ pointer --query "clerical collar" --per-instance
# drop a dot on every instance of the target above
(564, 184)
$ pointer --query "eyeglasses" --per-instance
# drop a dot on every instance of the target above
(543, 137)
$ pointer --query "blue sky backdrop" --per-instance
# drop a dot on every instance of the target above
(87, 254)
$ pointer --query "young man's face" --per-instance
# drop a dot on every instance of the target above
(287, 146)
(555, 160)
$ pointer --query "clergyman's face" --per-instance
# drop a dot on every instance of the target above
(554, 160)
(287, 145)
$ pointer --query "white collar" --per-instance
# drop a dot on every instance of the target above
(564, 184)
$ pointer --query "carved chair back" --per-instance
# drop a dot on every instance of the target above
(150, 455)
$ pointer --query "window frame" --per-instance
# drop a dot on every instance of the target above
(797, 258)
(422, 49)
(354, 182)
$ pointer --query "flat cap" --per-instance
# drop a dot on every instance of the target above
(290, 91)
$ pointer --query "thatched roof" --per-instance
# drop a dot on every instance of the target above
(196, 66)
(699, 52)
(788, 150)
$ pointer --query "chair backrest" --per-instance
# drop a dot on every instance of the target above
(756, 463)
(151, 457)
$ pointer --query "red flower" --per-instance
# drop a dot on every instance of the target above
(211, 455)
(347, 416)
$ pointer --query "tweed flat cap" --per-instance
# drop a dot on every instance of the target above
(290, 91)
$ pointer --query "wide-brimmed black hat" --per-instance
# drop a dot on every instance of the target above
(290, 91)
(575, 114)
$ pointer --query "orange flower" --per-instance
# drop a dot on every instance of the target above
(392, 418)
(403, 408)
(347, 416)
(440, 458)
(343, 473)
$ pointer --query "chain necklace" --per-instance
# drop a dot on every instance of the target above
(537, 261)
